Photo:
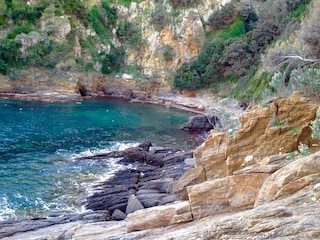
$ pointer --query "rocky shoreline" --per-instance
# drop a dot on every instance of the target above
(242, 186)
(147, 181)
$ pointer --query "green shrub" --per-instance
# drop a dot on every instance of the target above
(237, 29)
(111, 13)
(35, 54)
(202, 72)
(3, 67)
(9, 54)
(16, 73)
(315, 126)
(100, 22)
(97, 22)
(20, 28)
(294, 131)
(113, 61)
(304, 149)
(299, 8)
(285, 83)
(48, 53)
(168, 52)
(77, 8)
(307, 80)
(27, 13)
(224, 17)
(129, 34)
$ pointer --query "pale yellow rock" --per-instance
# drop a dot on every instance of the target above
(273, 159)
(222, 155)
(160, 216)
(232, 193)
(290, 179)
(193, 176)
(211, 155)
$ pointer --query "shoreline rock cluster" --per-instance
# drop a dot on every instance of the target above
(148, 182)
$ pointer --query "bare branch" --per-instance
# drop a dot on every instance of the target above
(299, 57)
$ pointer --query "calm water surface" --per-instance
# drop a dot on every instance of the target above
(39, 142)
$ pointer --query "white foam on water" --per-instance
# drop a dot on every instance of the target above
(6, 211)
(83, 185)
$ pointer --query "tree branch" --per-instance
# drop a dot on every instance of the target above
(300, 58)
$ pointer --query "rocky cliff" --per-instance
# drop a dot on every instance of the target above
(169, 37)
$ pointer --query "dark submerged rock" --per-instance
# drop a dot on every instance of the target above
(201, 123)
(149, 182)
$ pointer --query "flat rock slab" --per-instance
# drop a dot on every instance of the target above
(160, 216)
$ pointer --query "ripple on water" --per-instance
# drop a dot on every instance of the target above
(39, 143)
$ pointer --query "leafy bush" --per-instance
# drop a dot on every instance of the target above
(224, 17)
(309, 80)
(20, 28)
(204, 71)
(35, 54)
(47, 53)
(102, 19)
(77, 8)
(97, 21)
(9, 54)
(237, 29)
(315, 126)
(129, 35)
(244, 35)
(113, 61)
(303, 149)
(168, 52)
(282, 88)
(285, 83)
(27, 13)
(111, 13)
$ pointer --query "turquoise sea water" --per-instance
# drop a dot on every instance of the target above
(39, 142)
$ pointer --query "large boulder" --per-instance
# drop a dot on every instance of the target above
(192, 177)
(133, 204)
(160, 216)
(222, 195)
(290, 179)
(201, 123)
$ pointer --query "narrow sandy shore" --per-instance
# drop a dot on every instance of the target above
(200, 104)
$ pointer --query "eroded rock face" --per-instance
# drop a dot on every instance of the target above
(290, 179)
(184, 34)
(278, 128)
(228, 194)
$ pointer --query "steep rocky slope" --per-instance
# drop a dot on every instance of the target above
(169, 37)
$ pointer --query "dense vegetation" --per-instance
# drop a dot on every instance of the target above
(252, 49)
(237, 39)
(47, 53)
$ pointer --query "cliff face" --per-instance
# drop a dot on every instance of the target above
(169, 38)
(178, 40)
